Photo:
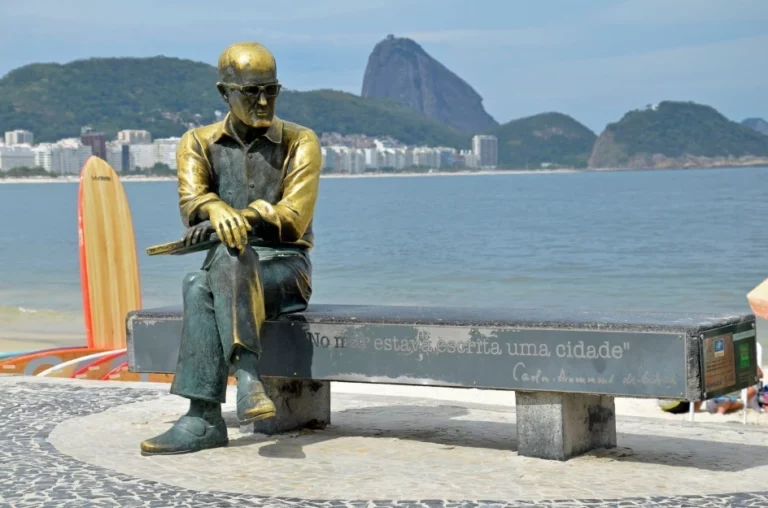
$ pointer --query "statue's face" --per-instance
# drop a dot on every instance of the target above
(253, 104)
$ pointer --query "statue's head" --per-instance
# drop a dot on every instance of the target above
(249, 83)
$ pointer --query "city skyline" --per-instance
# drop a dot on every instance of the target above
(133, 150)
(592, 62)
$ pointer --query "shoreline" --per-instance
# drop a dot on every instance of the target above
(141, 178)
(494, 172)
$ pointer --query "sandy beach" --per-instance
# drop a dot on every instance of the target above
(142, 178)
(434, 173)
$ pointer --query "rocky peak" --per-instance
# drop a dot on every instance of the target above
(400, 69)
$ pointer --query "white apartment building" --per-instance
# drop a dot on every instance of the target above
(469, 159)
(372, 158)
(426, 157)
(161, 150)
(17, 156)
(134, 137)
(19, 137)
(44, 156)
(143, 156)
(486, 149)
(165, 150)
(343, 159)
(65, 157)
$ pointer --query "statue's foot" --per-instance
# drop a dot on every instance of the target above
(188, 434)
(253, 404)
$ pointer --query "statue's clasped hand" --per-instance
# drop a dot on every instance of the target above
(230, 225)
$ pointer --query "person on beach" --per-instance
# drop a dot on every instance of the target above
(721, 405)
(253, 180)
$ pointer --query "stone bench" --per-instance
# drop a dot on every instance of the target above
(566, 368)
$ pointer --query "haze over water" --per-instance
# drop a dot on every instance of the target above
(688, 241)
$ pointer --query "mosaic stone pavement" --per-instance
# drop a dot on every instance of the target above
(34, 473)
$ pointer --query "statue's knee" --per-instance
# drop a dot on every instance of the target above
(195, 285)
(230, 259)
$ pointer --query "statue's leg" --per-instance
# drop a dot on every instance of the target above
(201, 376)
(239, 304)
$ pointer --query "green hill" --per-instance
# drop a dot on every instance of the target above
(669, 133)
(166, 96)
(552, 138)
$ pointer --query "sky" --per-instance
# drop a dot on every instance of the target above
(592, 59)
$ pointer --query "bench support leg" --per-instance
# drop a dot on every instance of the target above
(558, 426)
(300, 403)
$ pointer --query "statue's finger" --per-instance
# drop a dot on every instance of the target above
(248, 226)
(233, 226)
(197, 236)
(243, 228)
(220, 232)
(230, 241)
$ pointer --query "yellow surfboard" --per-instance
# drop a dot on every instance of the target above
(109, 268)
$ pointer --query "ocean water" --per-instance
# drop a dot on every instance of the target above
(693, 240)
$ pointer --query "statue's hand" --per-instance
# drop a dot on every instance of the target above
(197, 233)
(229, 224)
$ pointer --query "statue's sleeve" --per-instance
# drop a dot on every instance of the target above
(291, 216)
(194, 173)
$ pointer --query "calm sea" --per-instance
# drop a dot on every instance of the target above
(692, 240)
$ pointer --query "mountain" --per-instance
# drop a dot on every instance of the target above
(757, 124)
(676, 134)
(166, 96)
(400, 69)
(552, 138)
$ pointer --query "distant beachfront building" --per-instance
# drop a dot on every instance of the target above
(97, 142)
(356, 153)
(161, 151)
(19, 137)
(446, 157)
(165, 151)
(65, 157)
(468, 159)
(134, 137)
(119, 156)
(343, 159)
(486, 149)
(144, 156)
(17, 156)
(425, 157)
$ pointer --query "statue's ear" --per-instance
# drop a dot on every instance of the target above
(223, 91)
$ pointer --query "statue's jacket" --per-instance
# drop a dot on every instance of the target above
(277, 175)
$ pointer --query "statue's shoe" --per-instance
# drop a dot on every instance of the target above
(253, 404)
(188, 434)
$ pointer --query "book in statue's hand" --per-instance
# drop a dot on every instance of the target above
(179, 247)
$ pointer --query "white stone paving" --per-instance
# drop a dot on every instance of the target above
(75, 443)
(394, 447)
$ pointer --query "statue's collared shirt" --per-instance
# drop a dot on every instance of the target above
(277, 175)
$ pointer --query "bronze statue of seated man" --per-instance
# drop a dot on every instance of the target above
(252, 179)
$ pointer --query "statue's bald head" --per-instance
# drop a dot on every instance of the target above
(247, 63)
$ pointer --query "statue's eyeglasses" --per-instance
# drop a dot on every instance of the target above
(270, 90)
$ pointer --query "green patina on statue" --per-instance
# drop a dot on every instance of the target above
(247, 192)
